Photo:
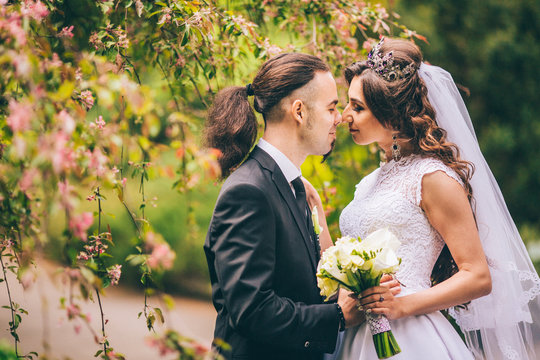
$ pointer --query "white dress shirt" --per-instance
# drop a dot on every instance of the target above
(289, 170)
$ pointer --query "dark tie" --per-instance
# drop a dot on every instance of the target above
(301, 201)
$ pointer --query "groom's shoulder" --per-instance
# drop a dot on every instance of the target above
(249, 174)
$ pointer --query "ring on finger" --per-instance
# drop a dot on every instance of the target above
(381, 298)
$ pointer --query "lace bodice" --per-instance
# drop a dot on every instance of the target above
(390, 197)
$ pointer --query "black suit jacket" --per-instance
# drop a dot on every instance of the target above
(262, 268)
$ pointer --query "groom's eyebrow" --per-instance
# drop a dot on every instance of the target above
(333, 103)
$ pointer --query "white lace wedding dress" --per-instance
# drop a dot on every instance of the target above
(390, 197)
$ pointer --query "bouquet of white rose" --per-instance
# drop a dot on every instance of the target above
(357, 265)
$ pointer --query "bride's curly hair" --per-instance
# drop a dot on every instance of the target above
(403, 105)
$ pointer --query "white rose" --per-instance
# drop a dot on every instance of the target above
(380, 239)
(386, 261)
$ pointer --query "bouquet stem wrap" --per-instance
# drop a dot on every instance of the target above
(385, 342)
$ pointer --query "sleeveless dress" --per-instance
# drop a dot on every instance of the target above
(390, 197)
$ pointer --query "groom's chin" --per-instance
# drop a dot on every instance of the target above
(327, 155)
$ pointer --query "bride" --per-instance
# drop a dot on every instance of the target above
(460, 248)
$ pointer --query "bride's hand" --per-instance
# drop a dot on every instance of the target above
(380, 300)
(313, 199)
(390, 282)
(312, 196)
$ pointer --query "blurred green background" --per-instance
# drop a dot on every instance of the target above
(492, 50)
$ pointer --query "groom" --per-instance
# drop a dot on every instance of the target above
(260, 247)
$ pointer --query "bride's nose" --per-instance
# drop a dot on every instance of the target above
(345, 116)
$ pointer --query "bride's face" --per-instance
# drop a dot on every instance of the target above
(363, 125)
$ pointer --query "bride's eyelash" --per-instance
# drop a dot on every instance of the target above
(358, 108)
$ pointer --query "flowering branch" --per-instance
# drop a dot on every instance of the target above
(13, 324)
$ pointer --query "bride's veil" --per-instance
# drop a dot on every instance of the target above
(499, 325)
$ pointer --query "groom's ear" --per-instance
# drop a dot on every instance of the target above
(298, 110)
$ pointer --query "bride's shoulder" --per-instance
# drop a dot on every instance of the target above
(423, 165)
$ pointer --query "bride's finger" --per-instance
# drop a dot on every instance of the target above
(381, 311)
(375, 298)
(373, 290)
(390, 283)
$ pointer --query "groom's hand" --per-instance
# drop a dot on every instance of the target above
(349, 306)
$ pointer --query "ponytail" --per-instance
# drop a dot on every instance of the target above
(231, 127)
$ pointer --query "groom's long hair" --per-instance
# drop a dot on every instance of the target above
(403, 105)
(231, 126)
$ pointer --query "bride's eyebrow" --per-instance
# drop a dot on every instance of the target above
(359, 102)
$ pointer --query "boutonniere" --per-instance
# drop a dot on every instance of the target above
(315, 220)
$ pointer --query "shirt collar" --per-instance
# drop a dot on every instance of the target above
(289, 170)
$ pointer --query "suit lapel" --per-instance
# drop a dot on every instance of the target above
(286, 193)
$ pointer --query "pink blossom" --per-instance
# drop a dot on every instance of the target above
(271, 49)
(66, 121)
(181, 61)
(27, 179)
(166, 17)
(72, 311)
(83, 256)
(91, 197)
(161, 256)
(87, 99)
(124, 182)
(20, 116)
(36, 10)
(95, 40)
(66, 32)
(99, 123)
(66, 195)
(6, 243)
(79, 224)
(13, 25)
(97, 161)
(78, 74)
(150, 240)
(77, 328)
(114, 273)
(115, 170)
(95, 249)
(160, 344)
(21, 63)
(19, 144)
(55, 62)
(62, 157)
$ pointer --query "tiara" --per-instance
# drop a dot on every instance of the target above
(384, 65)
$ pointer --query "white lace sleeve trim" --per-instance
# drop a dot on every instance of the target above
(429, 166)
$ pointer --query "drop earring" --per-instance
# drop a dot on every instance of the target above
(396, 154)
